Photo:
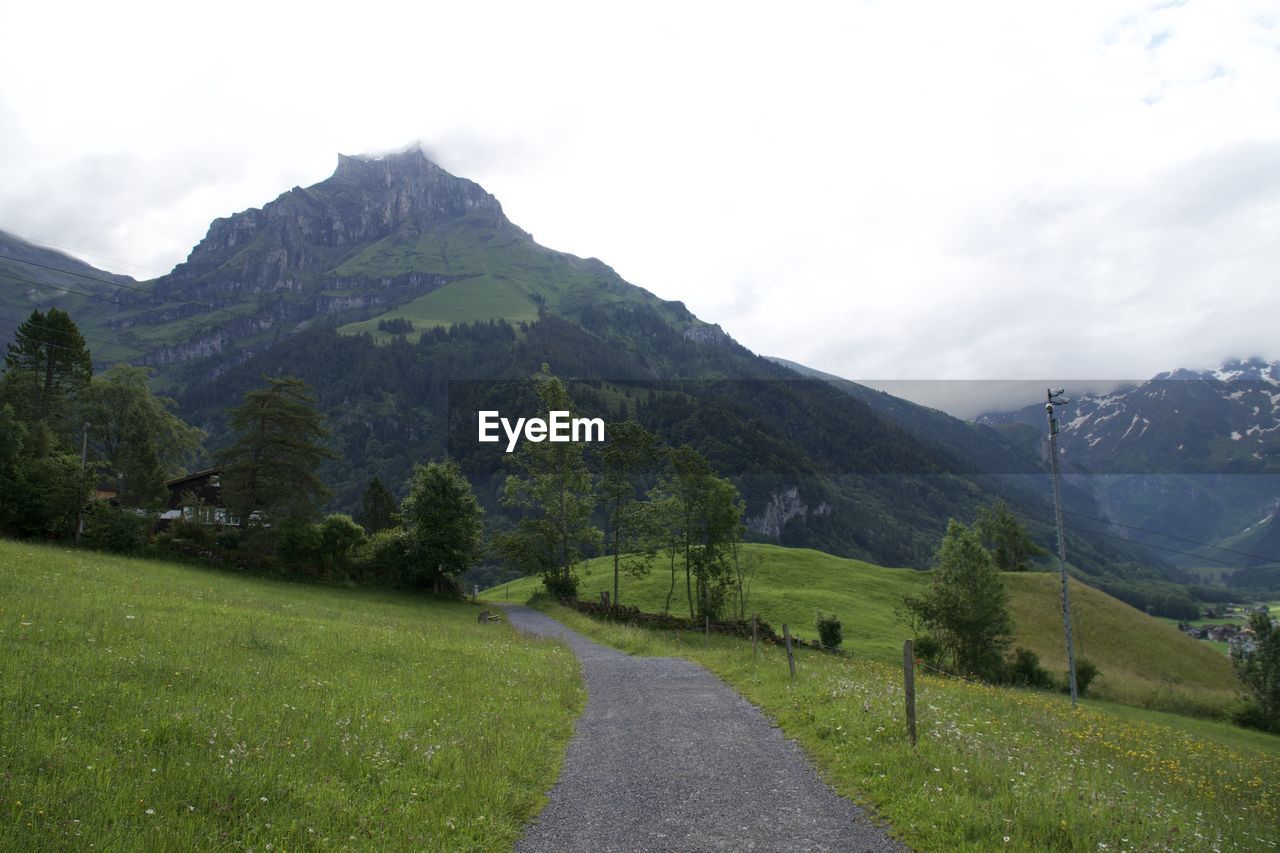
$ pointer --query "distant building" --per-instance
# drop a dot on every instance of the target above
(197, 498)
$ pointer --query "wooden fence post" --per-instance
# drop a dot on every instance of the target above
(755, 635)
(604, 600)
(909, 687)
(791, 658)
(706, 622)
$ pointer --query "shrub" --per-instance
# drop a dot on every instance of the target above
(110, 528)
(228, 538)
(300, 543)
(383, 557)
(560, 585)
(830, 630)
(1252, 715)
(929, 650)
(1024, 670)
(339, 537)
(182, 530)
(1086, 672)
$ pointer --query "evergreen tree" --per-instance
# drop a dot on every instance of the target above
(965, 610)
(1008, 540)
(135, 433)
(45, 366)
(271, 466)
(444, 524)
(377, 508)
(553, 490)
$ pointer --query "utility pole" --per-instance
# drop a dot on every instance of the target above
(84, 456)
(1055, 398)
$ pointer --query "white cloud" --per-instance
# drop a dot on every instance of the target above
(881, 190)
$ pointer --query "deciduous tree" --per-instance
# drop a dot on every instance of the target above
(1258, 669)
(444, 524)
(552, 488)
(965, 610)
(630, 454)
(1007, 538)
(136, 435)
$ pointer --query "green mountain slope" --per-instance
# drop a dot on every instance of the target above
(1143, 660)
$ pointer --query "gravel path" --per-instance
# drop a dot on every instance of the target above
(667, 757)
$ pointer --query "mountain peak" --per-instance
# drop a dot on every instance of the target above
(398, 163)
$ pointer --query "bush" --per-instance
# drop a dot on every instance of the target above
(110, 528)
(1024, 670)
(182, 530)
(228, 539)
(929, 650)
(339, 537)
(561, 586)
(299, 542)
(1252, 715)
(1086, 672)
(383, 557)
(830, 631)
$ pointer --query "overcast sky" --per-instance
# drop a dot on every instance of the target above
(882, 190)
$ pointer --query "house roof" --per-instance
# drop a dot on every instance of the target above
(196, 475)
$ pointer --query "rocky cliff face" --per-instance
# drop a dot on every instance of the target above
(783, 505)
(294, 242)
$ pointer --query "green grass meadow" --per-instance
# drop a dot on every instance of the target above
(1143, 660)
(148, 705)
(995, 768)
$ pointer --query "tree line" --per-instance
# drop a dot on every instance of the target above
(65, 430)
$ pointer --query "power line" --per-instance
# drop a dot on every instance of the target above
(66, 250)
(1148, 544)
(1159, 533)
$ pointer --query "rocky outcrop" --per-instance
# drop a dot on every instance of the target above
(293, 242)
(781, 507)
(707, 334)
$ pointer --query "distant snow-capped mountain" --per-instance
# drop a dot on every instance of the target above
(1218, 421)
(1193, 455)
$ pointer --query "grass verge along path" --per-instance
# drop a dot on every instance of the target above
(667, 757)
(997, 768)
(147, 705)
(1143, 661)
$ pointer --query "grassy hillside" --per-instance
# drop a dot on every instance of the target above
(146, 705)
(1143, 660)
(470, 300)
(505, 276)
(999, 769)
